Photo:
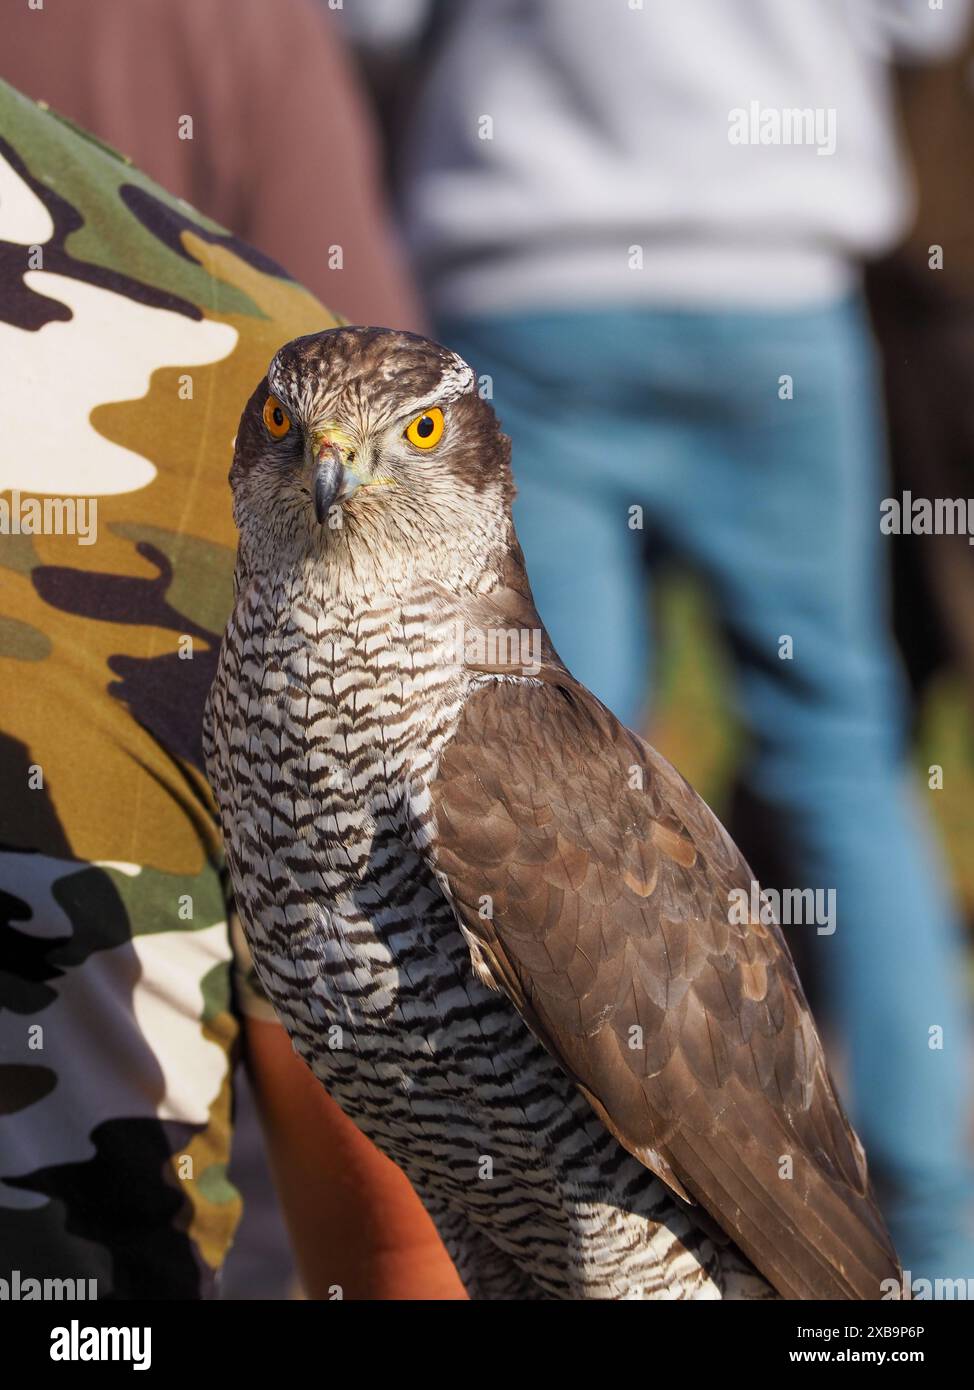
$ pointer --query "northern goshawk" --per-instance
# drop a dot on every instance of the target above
(495, 922)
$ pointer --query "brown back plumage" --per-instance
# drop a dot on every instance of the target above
(610, 882)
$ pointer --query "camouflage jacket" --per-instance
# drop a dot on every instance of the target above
(132, 330)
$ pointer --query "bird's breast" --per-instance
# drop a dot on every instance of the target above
(332, 723)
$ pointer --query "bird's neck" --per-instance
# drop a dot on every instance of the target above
(408, 640)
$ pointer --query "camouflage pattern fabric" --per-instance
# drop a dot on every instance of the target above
(132, 330)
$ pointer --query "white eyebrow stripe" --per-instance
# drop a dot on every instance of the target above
(274, 372)
(284, 385)
(457, 380)
(275, 378)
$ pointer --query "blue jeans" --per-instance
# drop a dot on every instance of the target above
(775, 503)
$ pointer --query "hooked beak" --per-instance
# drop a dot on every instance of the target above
(328, 480)
(331, 480)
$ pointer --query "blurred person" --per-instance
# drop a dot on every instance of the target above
(922, 298)
(212, 99)
(642, 225)
(131, 330)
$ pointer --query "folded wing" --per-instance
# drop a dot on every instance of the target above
(611, 925)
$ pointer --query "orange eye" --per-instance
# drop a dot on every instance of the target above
(427, 429)
(276, 418)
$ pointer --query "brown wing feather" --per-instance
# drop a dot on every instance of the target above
(611, 932)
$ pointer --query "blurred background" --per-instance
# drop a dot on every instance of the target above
(924, 331)
(600, 205)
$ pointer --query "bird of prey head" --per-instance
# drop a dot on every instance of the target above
(370, 441)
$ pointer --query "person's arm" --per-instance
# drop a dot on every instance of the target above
(355, 1221)
(309, 166)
